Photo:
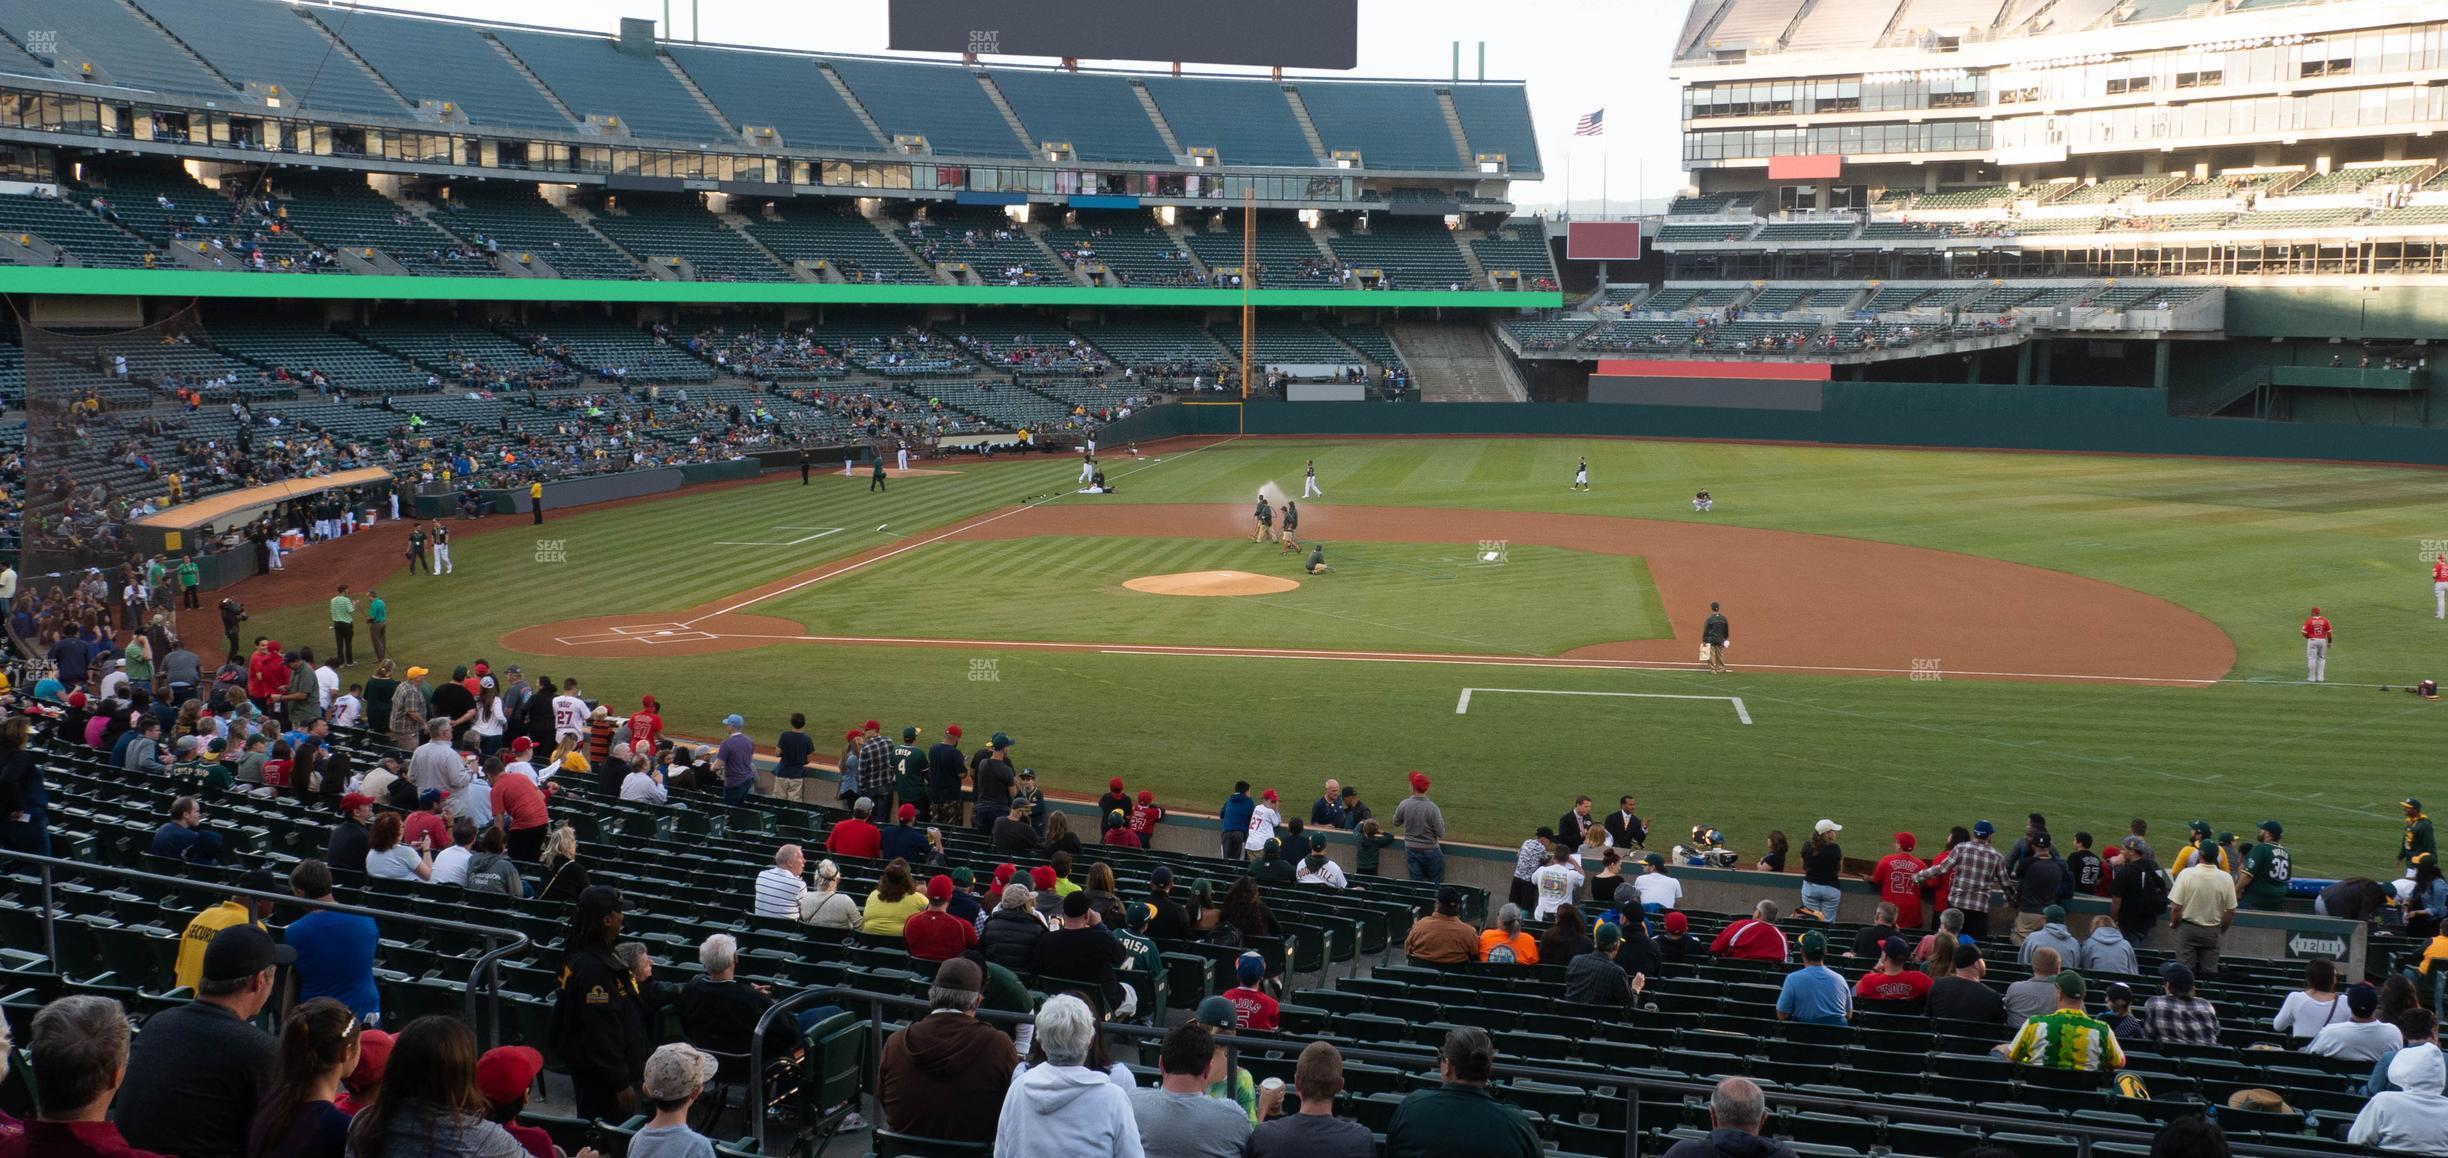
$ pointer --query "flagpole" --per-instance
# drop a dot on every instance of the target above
(1568, 156)
(1605, 206)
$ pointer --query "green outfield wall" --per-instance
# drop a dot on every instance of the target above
(2051, 418)
(199, 283)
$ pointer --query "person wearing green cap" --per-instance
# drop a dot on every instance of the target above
(1815, 994)
(2418, 837)
(2066, 1038)
(1593, 978)
(2267, 869)
(2200, 844)
(1459, 1117)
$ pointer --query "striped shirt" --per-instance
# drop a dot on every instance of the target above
(777, 892)
(2066, 1039)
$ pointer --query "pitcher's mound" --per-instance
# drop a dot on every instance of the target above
(1210, 583)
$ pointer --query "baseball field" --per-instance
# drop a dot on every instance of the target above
(1919, 638)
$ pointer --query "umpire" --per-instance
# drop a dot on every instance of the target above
(1713, 636)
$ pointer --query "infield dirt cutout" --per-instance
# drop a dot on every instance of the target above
(1211, 583)
(1798, 602)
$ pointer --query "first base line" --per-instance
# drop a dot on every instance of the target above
(1462, 706)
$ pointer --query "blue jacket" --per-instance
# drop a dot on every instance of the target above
(1237, 809)
(1326, 813)
(908, 842)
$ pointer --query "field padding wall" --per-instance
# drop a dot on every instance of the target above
(2053, 418)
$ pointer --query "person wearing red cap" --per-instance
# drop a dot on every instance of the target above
(1264, 819)
(856, 835)
(937, 935)
(905, 840)
(1146, 817)
(945, 770)
(646, 729)
(358, 1085)
(1114, 798)
(504, 1075)
(2317, 634)
(1423, 828)
(1678, 946)
(520, 805)
(1894, 876)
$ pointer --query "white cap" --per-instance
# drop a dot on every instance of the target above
(1827, 826)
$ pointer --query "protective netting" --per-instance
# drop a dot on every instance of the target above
(118, 422)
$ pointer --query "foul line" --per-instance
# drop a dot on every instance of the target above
(821, 532)
(927, 542)
(1462, 706)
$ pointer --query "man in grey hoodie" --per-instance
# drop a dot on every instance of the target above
(2052, 934)
(2107, 951)
(1061, 1105)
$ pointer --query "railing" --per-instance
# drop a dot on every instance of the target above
(483, 976)
(1631, 1089)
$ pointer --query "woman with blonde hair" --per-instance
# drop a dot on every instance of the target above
(564, 877)
(826, 906)
(895, 900)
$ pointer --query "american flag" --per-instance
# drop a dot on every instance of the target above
(1592, 124)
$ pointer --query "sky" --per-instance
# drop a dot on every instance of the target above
(1577, 55)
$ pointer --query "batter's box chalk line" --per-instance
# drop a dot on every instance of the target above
(1462, 706)
(649, 634)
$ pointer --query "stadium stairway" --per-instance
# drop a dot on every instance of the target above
(1454, 363)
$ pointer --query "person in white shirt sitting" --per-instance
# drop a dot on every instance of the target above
(779, 888)
(1658, 892)
(2361, 1039)
(1315, 869)
(450, 865)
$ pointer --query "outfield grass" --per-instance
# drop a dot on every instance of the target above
(1404, 596)
(2248, 545)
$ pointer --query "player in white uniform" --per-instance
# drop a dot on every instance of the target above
(1309, 487)
(2439, 586)
(441, 549)
(1702, 501)
(904, 457)
(1087, 466)
(1581, 476)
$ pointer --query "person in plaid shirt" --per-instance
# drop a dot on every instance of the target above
(874, 763)
(1535, 853)
(2066, 1038)
(1977, 870)
(2177, 1017)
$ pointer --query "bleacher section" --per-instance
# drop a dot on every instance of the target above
(268, 45)
(1496, 119)
(1372, 342)
(1130, 245)
(996, 249)
(351, 366)
(352, 216)
(787, 93)
(1414, 254)
(1547, 333)
(1521, 244)
(659, 227)
(855, 247)
(1245, 124)
(1392, 126)
(463, 354)
(87, 239)
(1156, 344)
(942, 103)
(1288, 258)
(120, 44)
(617, 352)
(594, 78)
(446, 63)
(1289, 343)
(1099, 116)
(520, 222)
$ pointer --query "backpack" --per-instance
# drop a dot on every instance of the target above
(2155, 889)
(1225, 934)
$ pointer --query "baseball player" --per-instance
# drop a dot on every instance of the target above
(1266, 520)
(904, 458)
(1581, 475)
(441, 549)
(1714, 635)
(1291, 523)
(2439, 586)
(2317, 634)
(1702, 502)
(1309, 481)
(1087, 466)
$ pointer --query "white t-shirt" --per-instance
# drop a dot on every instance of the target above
(640, 787)
(569, 715)
(2361, 1041)
(450, 866)
(2304, 1018)
(346, 709)
(114, 685)
(525, 769)
(1557, 885)
(327, 685)
(1329, 874)
(399, 864)
(1658, 889)
(1263, 820)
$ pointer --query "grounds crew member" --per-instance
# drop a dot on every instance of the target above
(1291, 523)
(535, 500)
(1266, 520)
(1714, 633)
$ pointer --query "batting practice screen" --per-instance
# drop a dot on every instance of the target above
(1602, 241)
(1290, 33)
